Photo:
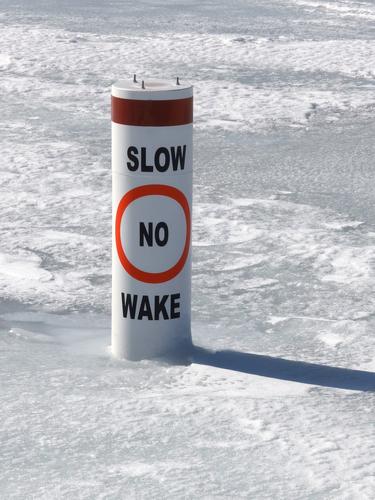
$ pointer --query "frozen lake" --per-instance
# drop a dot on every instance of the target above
(283, 254)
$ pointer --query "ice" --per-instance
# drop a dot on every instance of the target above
(4, 61)
(276, 399)
(331, 339)
(15, 269)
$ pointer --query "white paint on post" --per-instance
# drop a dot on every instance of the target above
(152, 196)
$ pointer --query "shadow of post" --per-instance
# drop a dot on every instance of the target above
(285, 369)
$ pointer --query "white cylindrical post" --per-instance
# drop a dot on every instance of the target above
(152, 195)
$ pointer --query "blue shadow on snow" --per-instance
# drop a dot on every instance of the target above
(285, 369)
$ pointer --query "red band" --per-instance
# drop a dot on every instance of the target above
(152, 113)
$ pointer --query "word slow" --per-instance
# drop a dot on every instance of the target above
(162, 159)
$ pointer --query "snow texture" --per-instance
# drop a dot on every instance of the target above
(277, 399)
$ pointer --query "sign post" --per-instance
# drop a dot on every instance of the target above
(152, 200)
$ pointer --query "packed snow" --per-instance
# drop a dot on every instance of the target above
(277, 400)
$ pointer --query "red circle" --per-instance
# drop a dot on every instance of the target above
(152, 190)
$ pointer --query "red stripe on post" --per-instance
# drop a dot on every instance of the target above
(168, 113)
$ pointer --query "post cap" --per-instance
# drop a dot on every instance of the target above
(154, 90)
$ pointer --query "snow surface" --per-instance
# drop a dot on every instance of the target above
(278, 399)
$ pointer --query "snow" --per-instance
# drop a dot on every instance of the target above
(277, 398)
